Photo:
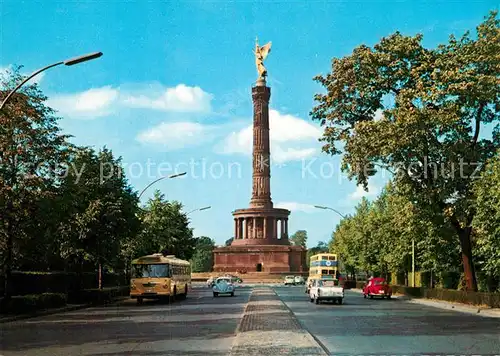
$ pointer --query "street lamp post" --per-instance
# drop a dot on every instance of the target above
(328, 208)
(159, 179)
(68, 62)
(199, 209)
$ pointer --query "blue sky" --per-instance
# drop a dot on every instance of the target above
(172, 90)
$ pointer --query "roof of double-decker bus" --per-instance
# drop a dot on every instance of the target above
(159, 258)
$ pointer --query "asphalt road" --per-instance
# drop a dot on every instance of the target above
(200, 325)
(392, 327)
(203, 325)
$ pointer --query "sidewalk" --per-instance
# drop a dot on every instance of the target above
(268, 327)
(442, 304)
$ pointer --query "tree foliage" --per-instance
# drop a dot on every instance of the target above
(377, 239)
(31, 150)
(165, 228)
(433, 104)
(64, 207)
(487, 218)
(202, 260)
(299, 238)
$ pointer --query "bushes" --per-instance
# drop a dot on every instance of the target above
(474, 298)
(32, 302)
(450, 295)
(25, 283)
(98, 296)
(42, 290)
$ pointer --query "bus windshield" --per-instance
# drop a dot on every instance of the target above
(151, 271)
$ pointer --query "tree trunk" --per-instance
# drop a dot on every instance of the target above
(469, 271)
(100, 275)
(9, 257)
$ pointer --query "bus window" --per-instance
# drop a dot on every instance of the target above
(324, 271)
(332, 258)
(151, 271)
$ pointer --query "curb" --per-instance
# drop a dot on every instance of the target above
(46, 312)
(467, 309)
(443, 304)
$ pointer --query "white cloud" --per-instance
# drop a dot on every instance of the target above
(107, 100)
(181, 98)
(92, 103)
(359, 193)
(294, 206)
(173, 136)
(288, 135)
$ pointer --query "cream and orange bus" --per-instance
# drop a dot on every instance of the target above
(159, 276)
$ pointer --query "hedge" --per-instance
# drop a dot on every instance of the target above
(26, 283)
(98, 296)
(32, 302)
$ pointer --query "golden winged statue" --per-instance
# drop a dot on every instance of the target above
(261, 54)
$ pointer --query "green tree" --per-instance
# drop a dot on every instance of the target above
(487, 219)
(101, 209)
(31, 151)
(165, 228)
(433, 102)
(202, 260)
(321, 247)
(299, 238)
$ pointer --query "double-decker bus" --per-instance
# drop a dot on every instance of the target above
(159, 276)
(324, 265)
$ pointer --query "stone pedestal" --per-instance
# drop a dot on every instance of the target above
(266, 259)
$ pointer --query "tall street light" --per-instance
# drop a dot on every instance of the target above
(328, 208)
(199, 209)
(68, 62)
(161, 178)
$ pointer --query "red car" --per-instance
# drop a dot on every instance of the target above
(377, 287)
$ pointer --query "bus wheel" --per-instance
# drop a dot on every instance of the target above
(185, 291)
(139, 301)
(174, 297)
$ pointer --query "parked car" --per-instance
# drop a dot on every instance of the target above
(289, 280)
(377, 287)
(210, 282)
(299, 280)
(223, 285)
(326, 289)
(234, 279)
(308, 284)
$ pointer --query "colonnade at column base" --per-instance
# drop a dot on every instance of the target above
(260, 226)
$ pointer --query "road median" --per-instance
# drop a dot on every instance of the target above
(268, 327)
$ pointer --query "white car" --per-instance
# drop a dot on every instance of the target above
(289, 280)
(223, 285)
(299, 280)
(326, 289)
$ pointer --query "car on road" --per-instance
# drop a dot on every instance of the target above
(289, 280)
(377, 287)
(223, 285)
(326, 289)
(299, 280)
(308, 284)
(234, 279)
